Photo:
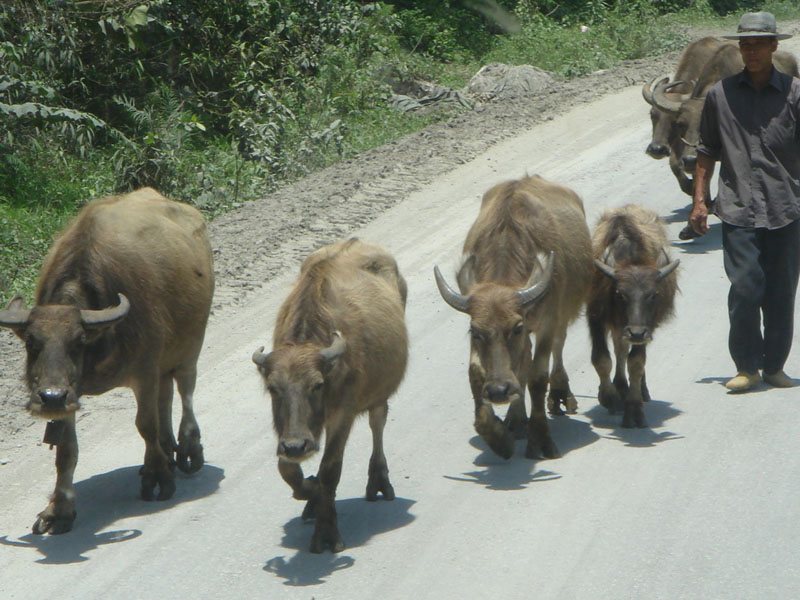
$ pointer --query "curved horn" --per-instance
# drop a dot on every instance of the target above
(259, 358)
(647, 88)
(336, 348)
(664, 271)
(106, 316)
(534, 292)
(452, 297)
(606, 269)
(660, 97)
(16, 315)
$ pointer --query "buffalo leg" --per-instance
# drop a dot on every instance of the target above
(634, 411)
(326, 530)
(156, 471)
(621, 350)
(487, 424)
(378, 476)
(559, 381)
(190, 450)
(516, 420)
(60, 512)
(539, 441)
(645, 391)
(607, 394)
(165, 433)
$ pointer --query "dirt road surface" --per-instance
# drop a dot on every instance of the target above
(700, 505)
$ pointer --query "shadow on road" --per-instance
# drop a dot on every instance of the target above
(359, 521)
(105, 499)
(657, 413)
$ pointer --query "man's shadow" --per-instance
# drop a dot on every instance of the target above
(104, 499)
(359, 521)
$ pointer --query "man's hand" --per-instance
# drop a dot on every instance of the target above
(699, 218)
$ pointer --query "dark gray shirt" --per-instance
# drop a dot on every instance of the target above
(755, 134)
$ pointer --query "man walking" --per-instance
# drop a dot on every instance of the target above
(751, 124)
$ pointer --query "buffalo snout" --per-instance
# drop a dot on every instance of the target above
(53, 399)
(297, 449)
(657, 151)
(500, 392)
(689, 163)
(636, 334)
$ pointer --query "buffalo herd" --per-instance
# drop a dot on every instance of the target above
(125, 292)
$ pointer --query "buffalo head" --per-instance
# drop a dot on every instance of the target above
(636, 295)
(56, 337)
(295, 376)
(500, 343)
(664, 99)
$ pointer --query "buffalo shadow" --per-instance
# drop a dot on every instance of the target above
(518, 472)
(657, 413)
(104, 499)
(359, 521)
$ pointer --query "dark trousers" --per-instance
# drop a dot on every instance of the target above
(762, 266)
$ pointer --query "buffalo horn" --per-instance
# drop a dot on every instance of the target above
(16, 315)
(660, 96)
(449, 295)
(106, 316)
(647, 88)
(608, 270)
(664, 271)
(259, 357)
(335, 349)
(534, 292)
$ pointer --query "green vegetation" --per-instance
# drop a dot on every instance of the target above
(215, 103)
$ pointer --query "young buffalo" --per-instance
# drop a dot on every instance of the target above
(633, 292)
(339, 349)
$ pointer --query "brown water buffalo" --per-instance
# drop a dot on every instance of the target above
(339, 349)
(684, 133)
(633, 292)
(527, 269)
(122, 300)
(678, 88)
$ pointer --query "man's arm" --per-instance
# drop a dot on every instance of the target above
(704, 170)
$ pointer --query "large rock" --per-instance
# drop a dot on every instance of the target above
(498, 80)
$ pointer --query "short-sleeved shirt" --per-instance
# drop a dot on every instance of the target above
(755, 134)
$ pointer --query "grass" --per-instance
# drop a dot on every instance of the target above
(49, 185)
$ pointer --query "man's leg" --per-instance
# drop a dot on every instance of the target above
(741, 252)
(781, 263)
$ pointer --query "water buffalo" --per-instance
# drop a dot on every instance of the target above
(339, 349)
(632, 293)
(684, 133)
(122, 300)
(527, 269)
(690, 65)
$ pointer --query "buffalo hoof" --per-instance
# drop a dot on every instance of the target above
(557, 398)
(379, 482)
(190, 457)
(48, 521)
(608, 397)
(541, 448)
(634, 417)
(326, 538)
(165, 481)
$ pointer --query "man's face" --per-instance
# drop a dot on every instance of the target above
(757, 53)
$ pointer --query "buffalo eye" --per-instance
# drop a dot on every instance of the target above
(32, 345)
(474, 334)
(273, 390)
(518, 328)
(317, 387)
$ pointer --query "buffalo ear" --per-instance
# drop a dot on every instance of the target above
(465, 278)
(15, 316)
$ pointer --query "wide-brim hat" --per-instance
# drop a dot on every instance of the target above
(760, 24)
